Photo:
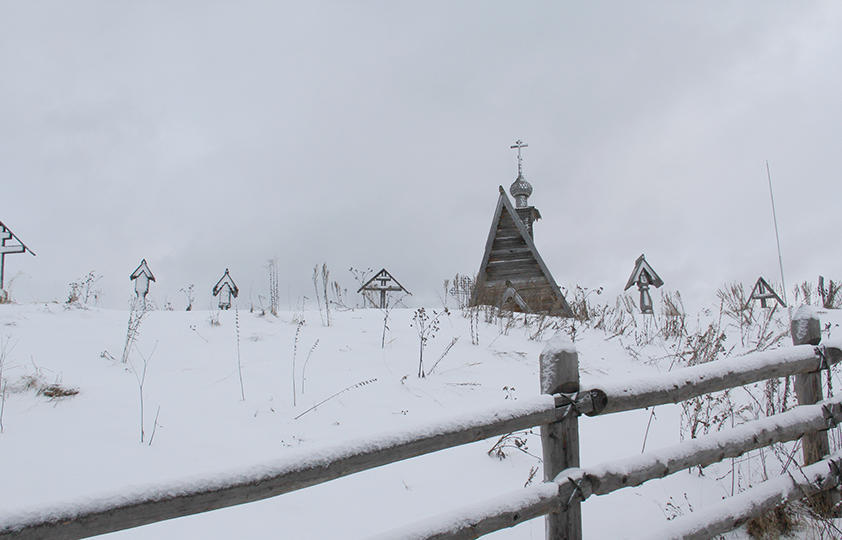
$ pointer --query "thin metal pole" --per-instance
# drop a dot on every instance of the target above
(777, 236)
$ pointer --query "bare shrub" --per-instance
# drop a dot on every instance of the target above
(213, 317)
(190, 295)
(361, 277)
(339, 295)
(516, 440)
(294, 354)
(426, 326)
(274, 296)
(56, 390)
(443, 354)
(579, 303)
(803, 293)
(239, 362)
(83, 290)
(137, 311)
(461, 289)
(36, 382)
(306, 363)
(541, 324)
(709, 411)
(617, 320)
(387, 314)
(703, 347)
(473, 318)
(4, 352)
(829, 293)
(140, 377)
(346, 389)
(673, 315)
(321, 280)
(777, 523)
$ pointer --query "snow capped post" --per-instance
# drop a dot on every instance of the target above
(225, 288)
(806, 329)
(559, 371)
(141, 277)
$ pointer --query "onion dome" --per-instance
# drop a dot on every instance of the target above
(521, 190)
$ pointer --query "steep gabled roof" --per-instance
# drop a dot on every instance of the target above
(381, 275)
(142, 269)
(23, 247)
(763, 291)
(503, 203)
(226, 280)
(641, 266)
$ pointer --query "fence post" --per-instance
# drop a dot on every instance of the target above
(806, 330)
(560, 440)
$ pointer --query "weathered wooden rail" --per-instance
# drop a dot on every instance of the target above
(565, 485)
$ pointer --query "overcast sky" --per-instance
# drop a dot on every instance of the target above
(206, 135)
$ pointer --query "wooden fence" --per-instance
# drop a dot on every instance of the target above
(565, 485)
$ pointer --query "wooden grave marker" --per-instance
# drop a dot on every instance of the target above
(764, 292)
(141, 277)
(225, 288)
(7, 248)
(644, 276)
(384, 283)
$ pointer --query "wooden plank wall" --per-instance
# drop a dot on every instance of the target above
(511, 259)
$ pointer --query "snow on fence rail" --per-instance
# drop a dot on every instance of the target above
(734, 511)
(565, 485)
(525, 504)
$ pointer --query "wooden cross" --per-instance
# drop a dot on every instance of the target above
(519, 144)
(387, 283)
(6, 234)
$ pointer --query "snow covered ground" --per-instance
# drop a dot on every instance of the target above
(73, 448)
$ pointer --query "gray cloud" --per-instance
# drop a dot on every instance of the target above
(211, 135)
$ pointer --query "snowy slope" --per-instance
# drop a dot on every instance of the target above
(79, 447)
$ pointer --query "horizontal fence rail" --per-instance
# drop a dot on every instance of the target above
(525, 504)
(686, 383)
(123, 510)
(729, 514)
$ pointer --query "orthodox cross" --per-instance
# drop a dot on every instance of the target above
(386, 283)
(19, 247)
(519, 144)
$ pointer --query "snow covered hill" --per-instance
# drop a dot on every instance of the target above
(195, 424)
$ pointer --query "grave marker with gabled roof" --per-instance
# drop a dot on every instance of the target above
(225, 288)
(512, 274)
(764, 292)
(17, 246)
(383, 282)
(141, 277)
(644, 276)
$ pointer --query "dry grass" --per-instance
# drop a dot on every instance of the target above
(779, 523)
(35, 382)
(56, 390)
